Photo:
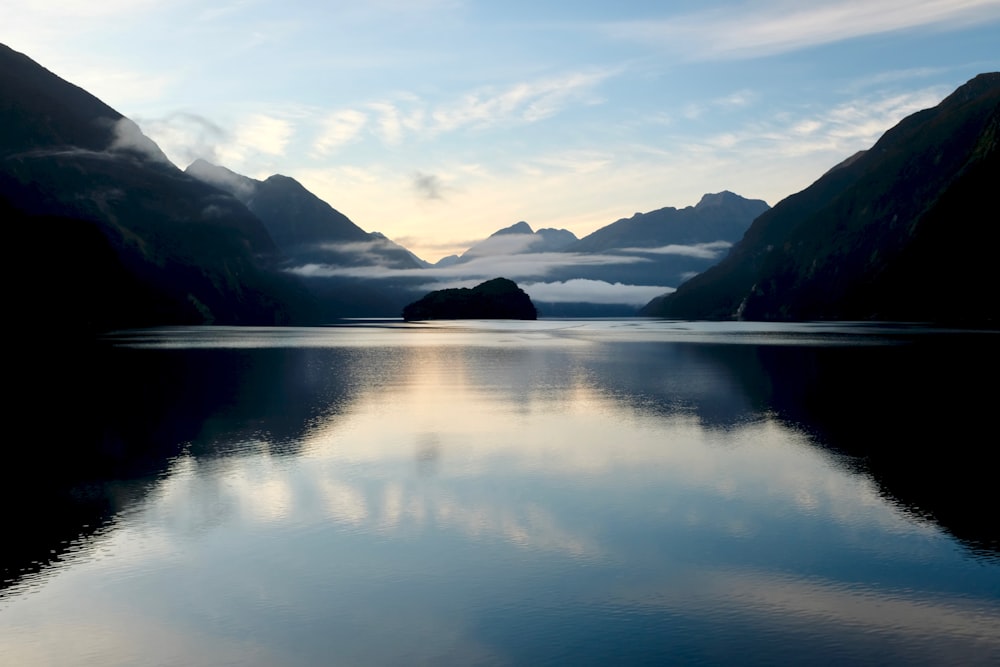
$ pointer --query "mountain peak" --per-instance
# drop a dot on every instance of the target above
(974, 88)
(717, 199)
(517, 228)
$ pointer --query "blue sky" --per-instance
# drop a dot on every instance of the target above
(437, 122)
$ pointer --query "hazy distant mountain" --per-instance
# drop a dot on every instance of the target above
(545, 240)
(516, 239)
(616, 269)
(669, 245)
(140, 242)
(904, 231)
(665, 246)
(447, 261)
(722, 216)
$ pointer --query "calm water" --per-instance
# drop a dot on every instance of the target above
(553, 492)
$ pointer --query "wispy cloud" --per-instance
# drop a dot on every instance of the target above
(224, 179)
(408, 116)
(522, 102)
(698, 250)
(126, 142)
(395, 120)
(264, 134)
(756, 29)
(340, 128)
(187, 136)
(126, 136)
(847, 127)
(390, 125)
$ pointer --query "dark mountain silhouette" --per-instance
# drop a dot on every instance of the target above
(142, 242)
(904, 231)
(304, 227)
(308, 231)
(499, 298)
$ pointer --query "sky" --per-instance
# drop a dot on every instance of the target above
(438, 122)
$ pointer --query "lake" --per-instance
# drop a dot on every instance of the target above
(504, 493)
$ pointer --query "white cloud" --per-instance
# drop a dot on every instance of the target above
(850, 126)
(699, 250)
(126, 136)
(340, 128)
(264, 134)
(515, 267)
(739, 99)
(526, 102)
(390, 125)
(582, 290)
(779, 26)
(187, 136)
(224, 179)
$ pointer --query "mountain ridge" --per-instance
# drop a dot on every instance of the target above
(883, 235)
(195, 253)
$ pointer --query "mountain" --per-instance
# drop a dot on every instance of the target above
(110, 233)
(323, 246)
(499, 298)
(669, 245)
(722, 216)
(616, 269)
(306, 229)
(906, 230)
(516, 239)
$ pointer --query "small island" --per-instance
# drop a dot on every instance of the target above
(497, 299)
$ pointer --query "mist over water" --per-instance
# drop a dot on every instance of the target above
(559, 491)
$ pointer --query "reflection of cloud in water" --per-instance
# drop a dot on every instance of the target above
(137, 639)
(762, 461)
(263, 489)
(343, 502)
(476, 418)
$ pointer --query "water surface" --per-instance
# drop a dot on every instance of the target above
(551, 492)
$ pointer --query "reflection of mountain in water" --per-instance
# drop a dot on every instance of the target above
(107, 424)
(909, 410)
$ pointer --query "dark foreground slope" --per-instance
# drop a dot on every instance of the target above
(109, 233)
(907, 230)
(495, 299)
